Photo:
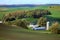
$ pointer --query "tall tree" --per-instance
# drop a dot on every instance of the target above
(42, 21)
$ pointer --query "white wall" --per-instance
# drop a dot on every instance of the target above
(47, 25)
(0, 21)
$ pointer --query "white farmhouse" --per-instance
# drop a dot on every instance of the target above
(36, 27)
(33, 26)
(0, 21)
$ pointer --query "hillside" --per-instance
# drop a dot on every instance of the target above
(55, 9)
(16, 33)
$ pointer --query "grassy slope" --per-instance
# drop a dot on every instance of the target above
(16, 33)
(55, 11)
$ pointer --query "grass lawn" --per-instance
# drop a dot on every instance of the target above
(17, 33)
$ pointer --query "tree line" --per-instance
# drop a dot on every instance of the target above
(37, 13)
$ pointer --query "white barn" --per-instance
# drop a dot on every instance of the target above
(36, 27)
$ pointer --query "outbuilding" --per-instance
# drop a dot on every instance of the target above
(36, 27)
(1, 22)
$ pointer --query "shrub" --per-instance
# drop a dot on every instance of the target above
(55, 28)
(22, 23)
(42, 21)
(40, 13)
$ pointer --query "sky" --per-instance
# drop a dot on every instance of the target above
(9, 2)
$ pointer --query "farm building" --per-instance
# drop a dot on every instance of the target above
(36, 27)
(1, 22)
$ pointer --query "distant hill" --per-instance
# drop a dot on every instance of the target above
(53, 4)
(29, 5)
(26, 5)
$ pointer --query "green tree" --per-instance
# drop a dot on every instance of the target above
(55, 27)
(22, 23)
(42, 21)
